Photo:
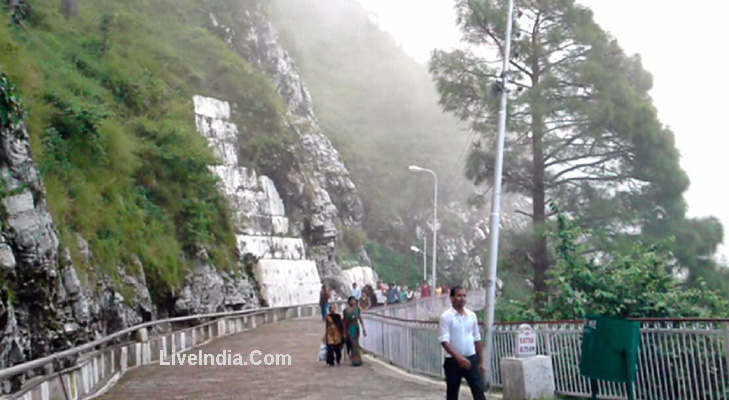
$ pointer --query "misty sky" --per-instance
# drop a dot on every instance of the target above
(681, 44)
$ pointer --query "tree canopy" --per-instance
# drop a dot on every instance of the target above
(581, 125)
(635, 284)
(646, 289)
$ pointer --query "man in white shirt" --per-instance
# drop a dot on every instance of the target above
(461, 339)
(357, 293)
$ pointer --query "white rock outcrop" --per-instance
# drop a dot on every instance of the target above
(362, 275)
(284, 275)
(315, 184)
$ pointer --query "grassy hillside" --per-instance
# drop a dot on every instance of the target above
(377, 104)
(109, 108)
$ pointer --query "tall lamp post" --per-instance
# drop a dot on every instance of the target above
(496, 203)
(417, 250)
(415, 168)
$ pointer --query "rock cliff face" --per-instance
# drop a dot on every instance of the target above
(316, 188)
(208, 290)
(283, 273)
(287, 218)
(44, 305)
(28, 253)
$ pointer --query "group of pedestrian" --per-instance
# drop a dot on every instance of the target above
(342, 330)
(397, 294)
(459, 335)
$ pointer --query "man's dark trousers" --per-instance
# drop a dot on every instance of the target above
(454, 373)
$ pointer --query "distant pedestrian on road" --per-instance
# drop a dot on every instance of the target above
(403, 294)
(373, 298)
(324, 302)
(461, 339)
(392, 294)
(333, 335)
(356, 292)
(365, 303)
(424, 289)
(352, 324)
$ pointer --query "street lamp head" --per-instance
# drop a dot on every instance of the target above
(415, 249)
(415, 168)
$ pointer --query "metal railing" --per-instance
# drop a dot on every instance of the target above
(96, 364)
(407, 334)
(680, 359)
(428, 307)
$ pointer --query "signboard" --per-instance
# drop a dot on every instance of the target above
(526, 341)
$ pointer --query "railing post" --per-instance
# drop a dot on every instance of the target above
(409, 348)
(725, 325)
(548, 342)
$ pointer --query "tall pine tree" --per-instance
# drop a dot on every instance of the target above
(581, 126)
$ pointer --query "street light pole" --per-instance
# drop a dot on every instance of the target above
(435, 213)
(495, 204)
(417, 250)
(425, 256)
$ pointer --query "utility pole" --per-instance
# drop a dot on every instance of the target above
(425, 256)
(415, 168)
(496, 205)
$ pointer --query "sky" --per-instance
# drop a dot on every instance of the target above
(682, 44)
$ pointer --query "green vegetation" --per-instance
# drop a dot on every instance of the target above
(635, 285)
(349, 240)
(389, 265)
(11, 109)
(109, 108)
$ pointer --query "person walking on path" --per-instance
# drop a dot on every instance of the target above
(424, 289)
(461, 339)
(356, 292)
(352, 324)
(333, 334)
(324, 302)
(392, 294)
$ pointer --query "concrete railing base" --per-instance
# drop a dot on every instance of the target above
(529, 378)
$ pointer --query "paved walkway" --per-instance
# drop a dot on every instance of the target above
(306, 378)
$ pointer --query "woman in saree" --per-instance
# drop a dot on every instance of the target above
(352, 324)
